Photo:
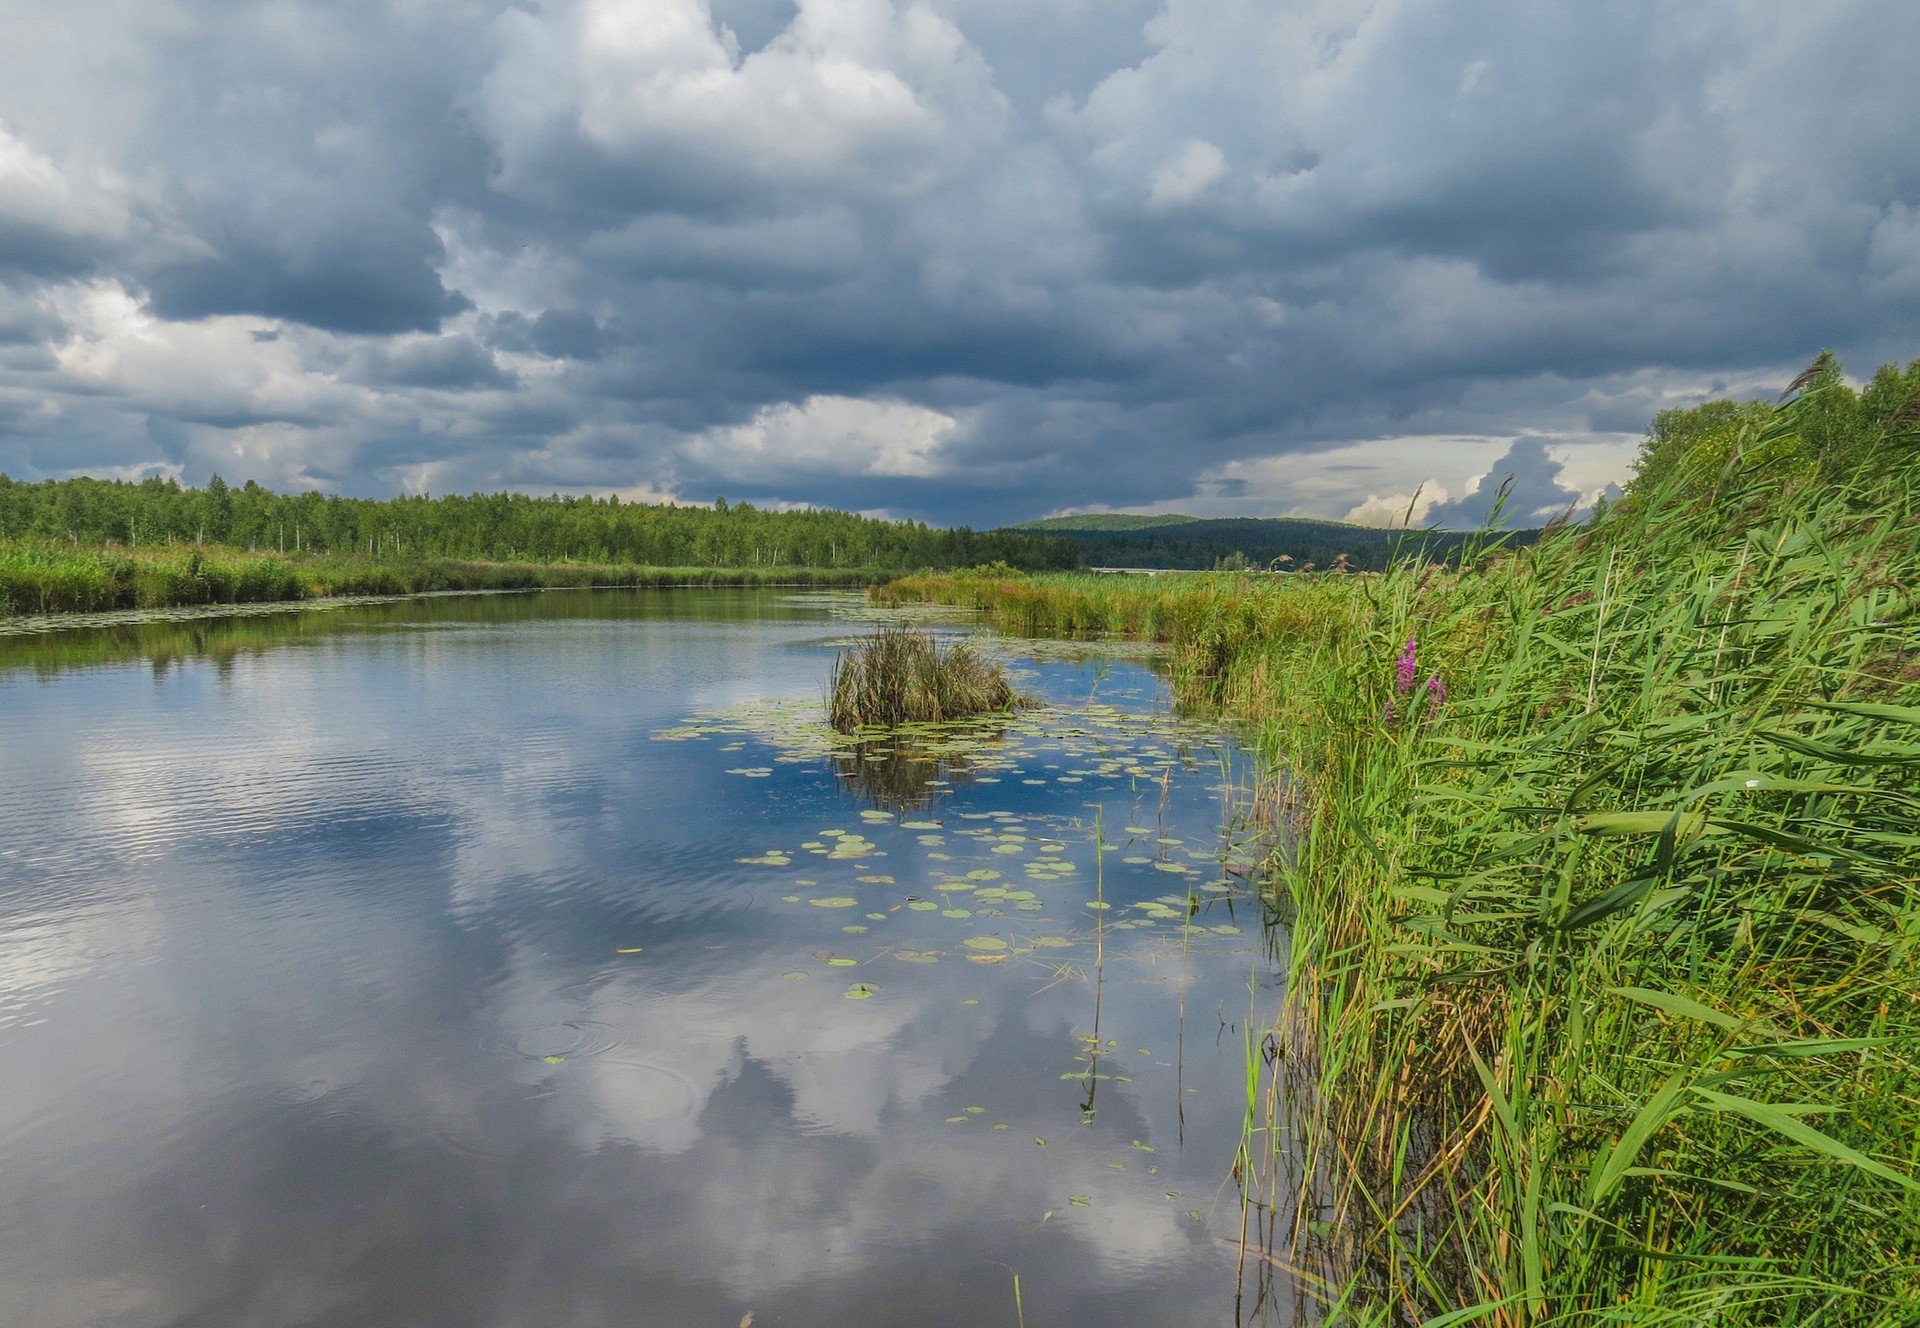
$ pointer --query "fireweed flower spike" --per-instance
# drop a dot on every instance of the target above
(1406, 669)
(1405, 672)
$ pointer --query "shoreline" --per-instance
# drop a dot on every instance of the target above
(40, 581)
(41, 624)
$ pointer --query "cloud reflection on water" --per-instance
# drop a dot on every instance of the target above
(286, 1013)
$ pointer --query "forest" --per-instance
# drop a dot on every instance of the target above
(499, 527)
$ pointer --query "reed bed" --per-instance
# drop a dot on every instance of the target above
(43, 576)
(1604, 1001)
(902, 675)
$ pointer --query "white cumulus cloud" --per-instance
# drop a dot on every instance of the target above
(829, 435)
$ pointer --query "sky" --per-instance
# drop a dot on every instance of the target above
(965, 261)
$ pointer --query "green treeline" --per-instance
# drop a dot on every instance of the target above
(1835, 433)
(498, 527)
(1602, 887)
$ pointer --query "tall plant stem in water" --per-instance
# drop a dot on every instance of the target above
(1099, 951)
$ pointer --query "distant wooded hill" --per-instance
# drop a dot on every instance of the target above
(1105, 521)
(1126, 539)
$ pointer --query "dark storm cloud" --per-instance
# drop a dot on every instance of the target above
(559, 334)
(351, 287)
(960, 259)
(449, 363)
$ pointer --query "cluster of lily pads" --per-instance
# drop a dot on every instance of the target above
(1098, 745)
(945, 886)
(978, 865)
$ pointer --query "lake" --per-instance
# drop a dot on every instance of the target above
(542, 960)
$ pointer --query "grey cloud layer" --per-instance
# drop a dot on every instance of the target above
(967, 259)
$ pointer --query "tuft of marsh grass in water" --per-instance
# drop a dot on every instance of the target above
(1603, 901)
(903, 675)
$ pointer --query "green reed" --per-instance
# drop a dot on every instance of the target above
(901, 675)
(1604, 913)
(45, 576)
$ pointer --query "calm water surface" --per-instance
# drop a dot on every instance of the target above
(536, 960)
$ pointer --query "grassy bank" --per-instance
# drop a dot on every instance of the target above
(1605, 971)
(50, 577)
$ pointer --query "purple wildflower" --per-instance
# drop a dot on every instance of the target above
(1436, 694)
(1406, 669)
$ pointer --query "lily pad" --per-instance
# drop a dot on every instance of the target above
(988, 944)
(833, 901)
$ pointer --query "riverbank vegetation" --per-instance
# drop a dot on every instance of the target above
(498, 527)
(85, 545)
(39, 576)
(1188, 543)
(1604, 998)
(902, 675)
